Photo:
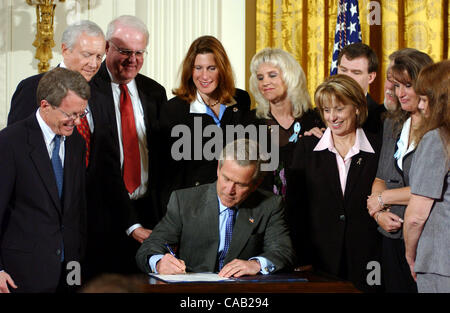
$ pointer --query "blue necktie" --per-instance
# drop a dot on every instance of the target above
(57, 164)
(228, 234)
(57, 168)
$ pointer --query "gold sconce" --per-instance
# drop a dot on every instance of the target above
(45, 14)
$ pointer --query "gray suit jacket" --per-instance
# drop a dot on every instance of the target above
(192, 224)
(389, 171)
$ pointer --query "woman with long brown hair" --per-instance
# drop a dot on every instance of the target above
(205, 98)
(427, 218)
(390, 189)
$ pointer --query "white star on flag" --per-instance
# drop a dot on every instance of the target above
(353, 9)
(333, 65)
(348, 29)
(352, 28)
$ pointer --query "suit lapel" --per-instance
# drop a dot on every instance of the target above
(331, 173)
(359, 161)
(209, 208)
(39, 156)
(243, 227)
(69, 167)
(104, 102)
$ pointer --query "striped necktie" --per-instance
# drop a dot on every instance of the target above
(83, 129)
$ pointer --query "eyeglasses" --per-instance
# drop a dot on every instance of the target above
(129, 53)
(72, 116)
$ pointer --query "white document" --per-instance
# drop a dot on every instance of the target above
(191, 278)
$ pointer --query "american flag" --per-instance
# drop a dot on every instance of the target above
(348, 29)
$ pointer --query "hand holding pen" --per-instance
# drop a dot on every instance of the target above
(169, 264)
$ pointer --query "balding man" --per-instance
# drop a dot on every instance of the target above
(122, 186)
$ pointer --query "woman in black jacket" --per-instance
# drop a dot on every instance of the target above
(193, 123)
(328, 184)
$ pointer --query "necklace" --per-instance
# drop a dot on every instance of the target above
(214, 104)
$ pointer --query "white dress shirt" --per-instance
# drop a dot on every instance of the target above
(402, 144)
(49, 137)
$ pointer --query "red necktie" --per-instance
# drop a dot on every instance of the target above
(84, 130)
(131, 157)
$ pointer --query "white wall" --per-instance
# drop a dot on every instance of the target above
(173, 25)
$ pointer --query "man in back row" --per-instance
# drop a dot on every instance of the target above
(82, 47)
(360, 62)
(123, 202)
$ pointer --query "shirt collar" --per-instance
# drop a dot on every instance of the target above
(404, 136)
(198, 105)
(223, 208)
(361, 142)
(62, 64)
(48, 133)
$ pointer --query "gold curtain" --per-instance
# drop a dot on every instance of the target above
(305, 28)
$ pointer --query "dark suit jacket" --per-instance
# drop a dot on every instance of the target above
(388, 170)
(192, 223)
(34, 222)
(188, 173)
(107, 155)
(110, 210)
(374, 122)
(333, 231)
(308, 120)
(24, 101)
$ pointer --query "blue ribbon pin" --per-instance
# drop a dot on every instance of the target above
(294, 136)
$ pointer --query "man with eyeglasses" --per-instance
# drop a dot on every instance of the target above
(83, 48)
(128, 152)
(42, 188)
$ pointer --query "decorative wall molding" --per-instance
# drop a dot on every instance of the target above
(173, 25)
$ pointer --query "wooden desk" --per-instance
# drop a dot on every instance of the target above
(315, 284)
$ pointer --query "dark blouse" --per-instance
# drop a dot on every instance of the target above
(276, 181)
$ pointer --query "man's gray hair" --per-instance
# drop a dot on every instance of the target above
(244, 152)
(129, 21)
(73, 31)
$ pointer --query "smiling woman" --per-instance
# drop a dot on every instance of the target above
(390, 189)
(206, 94)
(327, 187)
